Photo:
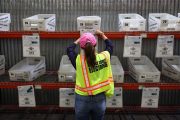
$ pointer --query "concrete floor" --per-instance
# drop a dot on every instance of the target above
(29, 116)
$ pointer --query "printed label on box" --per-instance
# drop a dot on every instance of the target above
(26, 96)
(90, 26)
(165, 45)
(150, 97)
(116, 100)
(66, 97)
(31, 46)
(132, 46)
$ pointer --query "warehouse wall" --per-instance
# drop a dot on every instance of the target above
(66, 13)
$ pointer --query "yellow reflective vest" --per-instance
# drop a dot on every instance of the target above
(92, 81)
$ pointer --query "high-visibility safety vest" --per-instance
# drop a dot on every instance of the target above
(92, 81)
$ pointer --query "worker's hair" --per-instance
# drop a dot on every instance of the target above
(90, 54)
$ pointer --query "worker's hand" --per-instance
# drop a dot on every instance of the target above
(101, 34)
(77, 41)
(98, 32)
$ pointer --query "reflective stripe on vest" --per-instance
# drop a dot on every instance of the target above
(85, 73)
(95, 87)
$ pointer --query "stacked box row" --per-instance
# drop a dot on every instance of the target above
(127, 22)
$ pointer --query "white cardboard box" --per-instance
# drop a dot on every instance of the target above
(2, 64)
(88, 24)
(26, 96)
(66, 72)
(40, 22)
(28, 69)
(5, 21)
(171, 67)
(31, 46)
(163, 22)
(165, 46)
(117, 100)
(143, 70)
(131, 22)
(150, 97)
(117, 70)
(66, 97)
(132, 46)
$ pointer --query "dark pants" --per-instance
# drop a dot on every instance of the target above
(86, 106)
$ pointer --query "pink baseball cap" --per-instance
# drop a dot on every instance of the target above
(85, 38)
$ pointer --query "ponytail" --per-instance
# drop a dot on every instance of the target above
(90, 54)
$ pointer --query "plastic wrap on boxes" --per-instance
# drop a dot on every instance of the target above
(2, 64)
(5, 21)
(117, 70)
(28, 69)
(40, 22)
(163, 22)
(132, 46)
(143, 70)
(88, 23)
(116, 100)
(66, 97)
(150, 97)
(26, 96)
(131, 22)
(67, 72)
(171, 67)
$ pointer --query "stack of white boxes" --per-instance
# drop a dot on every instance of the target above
(33, 65)
(28, 69)
(117, 100)
(131, 22)
(40, 22)
(117, 70)
(67, 72)
(171, 67)
(143, 70)
(5, 21)
(66, 97)
(2, 64)
(88, 24)
(163, 22)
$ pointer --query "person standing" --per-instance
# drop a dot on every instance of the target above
(94, 81)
